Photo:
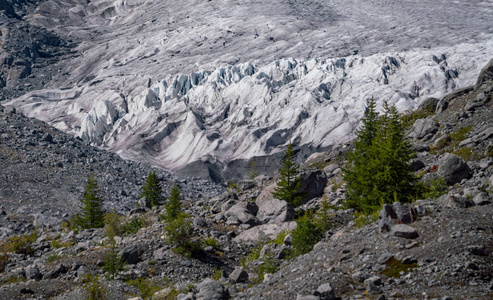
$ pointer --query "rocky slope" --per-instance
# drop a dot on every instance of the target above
(143, 78)
(436, 248)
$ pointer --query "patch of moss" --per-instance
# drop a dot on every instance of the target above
(468, 153)
(409, 118)
(395, 267)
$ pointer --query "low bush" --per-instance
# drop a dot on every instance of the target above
(93, 288)
(306, 235)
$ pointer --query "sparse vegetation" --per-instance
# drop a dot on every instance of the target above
(113, 263)
(435, 188)
(305, 236)
(113, 225)
(361, 219)
(93, 288)
(396, 268)
(146, 286)
(173, 206)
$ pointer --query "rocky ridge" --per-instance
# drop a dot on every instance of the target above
(435, 248)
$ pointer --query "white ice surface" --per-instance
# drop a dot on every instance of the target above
(172, 82)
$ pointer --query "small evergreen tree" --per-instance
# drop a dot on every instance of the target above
(306, 235)
(378, 169)
(173, 206)
(92, 214)
(113, 263)
(289, 182)
(253, 173)
(152, 189)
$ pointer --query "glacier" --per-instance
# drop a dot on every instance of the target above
(208, 83)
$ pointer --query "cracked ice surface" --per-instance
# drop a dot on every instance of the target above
(175, 82)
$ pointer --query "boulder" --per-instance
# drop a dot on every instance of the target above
(325, 292)
(144, 203)
(56, 272)
(404, 231)
(482, 199)
(455, 201)
(131, 254)
(242, 212)
(453, 169)
(238, 275)
(275, 211)
(423, 127)
(396, 213)
(373, 284)
(307, 297)
(32, 272)
(485, 75)
(313, 183)
(263, 232)
(211, 290)
(429, 105)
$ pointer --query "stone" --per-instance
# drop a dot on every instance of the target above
(144, 203)
(429, 105)
(373, 284)
(313, 183)
(210, 289)
(423, 127)
(56, 272)
(330, 169)
(325, 292)
(482, 198)
(275, 211)
(359, 276)
(408, 260)
(455, 201)
(242, 212)
(485, 75)
(416, 165)
(396, 213)
(263, 232)
(9, 110)
(453, 169)
(477, 250)
(238, 275)
(188, 296)
(32, 272)
(404, 231)
(477, 102)
(131, 254)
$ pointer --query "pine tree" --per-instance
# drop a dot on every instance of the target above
(92, 214)
(253, 173)
(152, 189)
(113, 263)
(173, 206)
(289, 182)
(378, 170)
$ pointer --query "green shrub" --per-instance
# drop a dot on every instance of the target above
(210, 241)
(305, 236)
(54, 256)
(179, 233)
(93, 288)
(279, 239)
(4, 258)
(467, 153)
(146, 286)
(112, 262)
(323, 217)
(19, 245)
(253, 255)
(133, 226)
(114, 226)
(268, 265)
(435, 188)
(57, 243)
(459, 135)
(361, 219)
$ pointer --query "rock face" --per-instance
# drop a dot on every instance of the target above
(396, 213)
(485, 75)
(424, 128)
(453, 169)
(211, 290)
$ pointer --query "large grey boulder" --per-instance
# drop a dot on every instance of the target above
(453, 169)
(32, 272)
(396, 213)
(423, 127)
(455, 201)
(404, 231)
(131, 254)
(429, 104)
(238, 275)
(243, 212)
(263, 232)
(482, 199)
(275, 211)
(211, 290)
(325, 292)
(485, 75)
(313, 183)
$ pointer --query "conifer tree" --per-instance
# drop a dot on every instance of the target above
(152, 189)
(378, 169)
(92, 214)
(289, 182)
(173, 206)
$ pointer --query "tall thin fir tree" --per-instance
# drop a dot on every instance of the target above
(92, 213)
(289, 182)
(173, 206)
(152, 189)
